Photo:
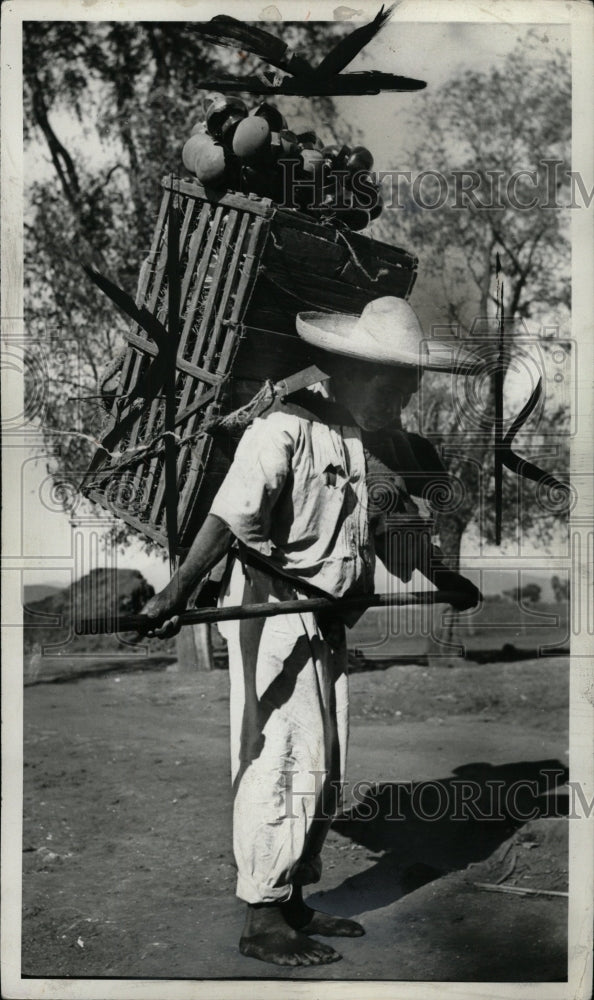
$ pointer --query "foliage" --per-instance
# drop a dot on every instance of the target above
(528, 594)
(560, 588)
(110, 104)
(504, 119)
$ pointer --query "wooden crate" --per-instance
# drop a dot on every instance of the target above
(247, 268)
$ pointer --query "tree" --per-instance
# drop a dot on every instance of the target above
(560, 588)
(528, 594)
(133, 92)
(110, 104)
(485, 130)
(491, 125)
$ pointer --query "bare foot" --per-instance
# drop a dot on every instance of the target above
(267, 936)
(303, 918)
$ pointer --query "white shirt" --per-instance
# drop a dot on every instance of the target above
(296, 494)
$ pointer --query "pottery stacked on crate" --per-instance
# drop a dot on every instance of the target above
(253, 151)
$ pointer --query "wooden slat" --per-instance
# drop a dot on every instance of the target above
(145, 275)
(229, 286)
(155, 407)
(156, 510)
(205, 218)
(132, 359)
(149, 347)
(243, 280)
(145, 528)
(195, 246)
(217, 276)
(199, 459)
(257, 240)
(145, 429)
(200, 276)
(211, 472)
(153, 294)
(228, 223)
(246, 203)
(185, 227)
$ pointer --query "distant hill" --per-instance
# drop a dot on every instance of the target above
(34, 592)
(495, 582)
(98, 594)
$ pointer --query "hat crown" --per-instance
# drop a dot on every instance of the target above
(392, 322)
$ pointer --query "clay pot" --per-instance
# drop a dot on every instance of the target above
(352, 215)
(359, 159)
(289, 145)
(310, 140)
(251, 141)
(270, 114)
(195, 144)
(210, 164)
(356, 218)
(223, 115)
(331, 153)
(312, 160)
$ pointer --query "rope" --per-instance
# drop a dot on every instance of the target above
(239, 419)
(357, 262)
(111, 369)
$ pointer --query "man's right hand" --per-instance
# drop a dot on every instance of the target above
(211, 543)
(164, 610)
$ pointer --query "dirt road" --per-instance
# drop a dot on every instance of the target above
(128, 867)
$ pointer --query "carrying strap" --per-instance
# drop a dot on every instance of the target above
(410, 455)
(313, 406)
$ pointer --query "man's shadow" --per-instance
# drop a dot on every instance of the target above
(423, 830)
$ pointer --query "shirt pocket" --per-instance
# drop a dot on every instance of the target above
(334, 476)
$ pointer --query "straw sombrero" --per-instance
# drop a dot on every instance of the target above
(387, 332)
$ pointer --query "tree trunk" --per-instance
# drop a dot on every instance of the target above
(194, 648)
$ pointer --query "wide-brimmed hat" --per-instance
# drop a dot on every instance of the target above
(387, 332)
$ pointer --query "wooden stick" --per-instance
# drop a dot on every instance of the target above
(198, 616)
(519, 890)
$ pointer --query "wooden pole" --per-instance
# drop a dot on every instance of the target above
(196, 616)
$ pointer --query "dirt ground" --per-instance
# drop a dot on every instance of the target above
(127, 862)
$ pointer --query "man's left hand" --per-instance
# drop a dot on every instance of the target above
(469, 595)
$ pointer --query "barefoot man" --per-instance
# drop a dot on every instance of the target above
(293, 516)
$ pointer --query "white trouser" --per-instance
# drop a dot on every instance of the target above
(289, 727)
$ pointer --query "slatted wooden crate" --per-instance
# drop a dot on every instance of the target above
(247, 268)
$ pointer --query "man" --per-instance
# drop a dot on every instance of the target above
(294, 514)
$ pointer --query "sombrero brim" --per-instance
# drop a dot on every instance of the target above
(335, 333)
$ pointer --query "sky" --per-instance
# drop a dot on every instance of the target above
(432, 52)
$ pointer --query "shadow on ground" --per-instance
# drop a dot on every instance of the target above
(423, 831)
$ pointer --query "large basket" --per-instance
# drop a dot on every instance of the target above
(247, 268)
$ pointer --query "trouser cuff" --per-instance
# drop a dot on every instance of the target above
(254, 894)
